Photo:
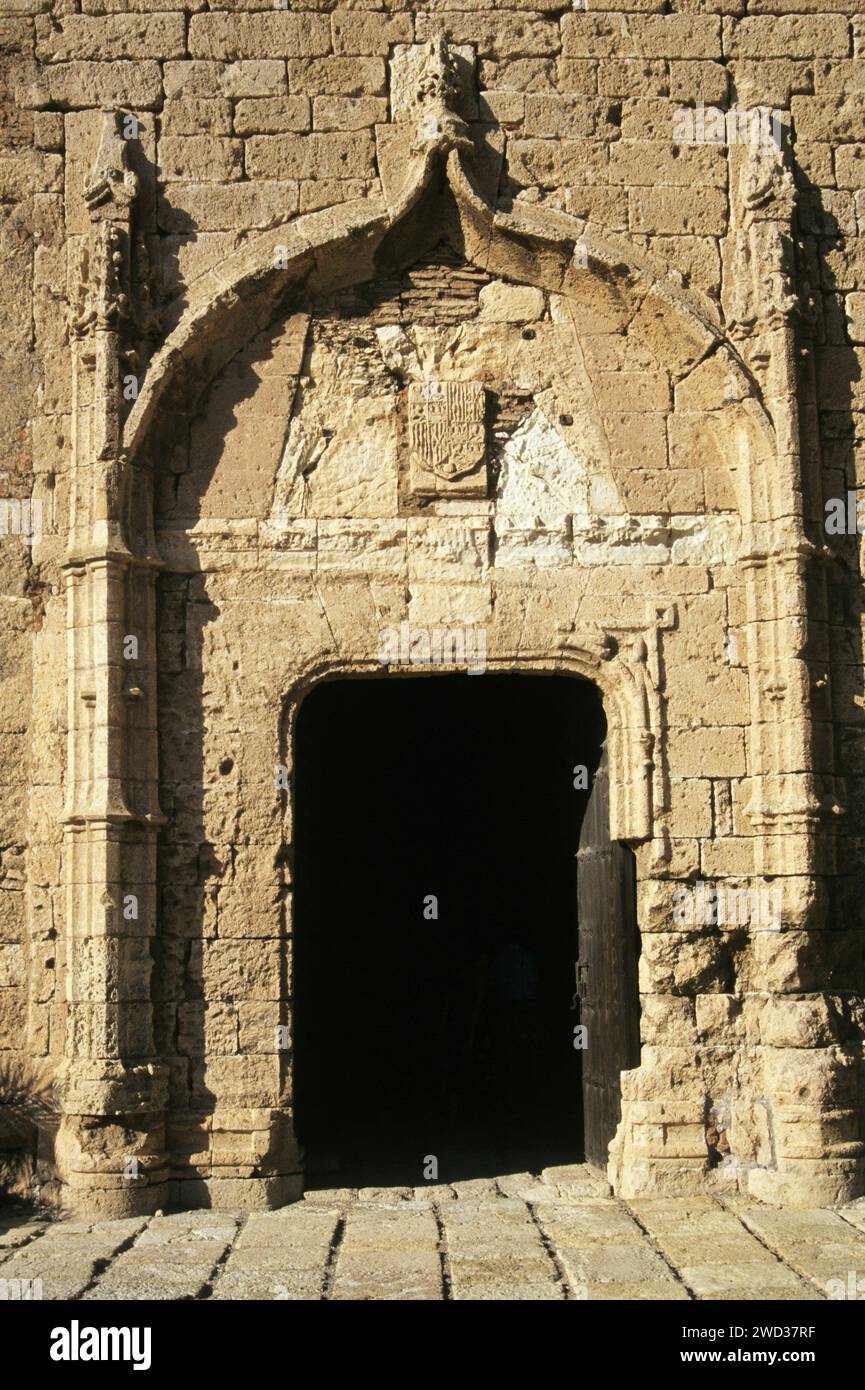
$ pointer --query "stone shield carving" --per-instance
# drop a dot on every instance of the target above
(447, 437)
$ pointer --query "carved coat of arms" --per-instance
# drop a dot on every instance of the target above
(446, 427)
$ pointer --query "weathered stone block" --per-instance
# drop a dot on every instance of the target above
(348, 113)
(699, 81)
(242, 969)
(787, 36)
(822, 118)
(86, 85)
(551, 163)
(595, 36)
(630, 77)
(217, 208)
(110, 37)
(522, 75)
(193, 116)
(502, 303)
(338, 76)
(797, 1022)
(210, 158)
(682, 963)
(330, 156)
(850, 166)
(636, 444)
(256, 77)
(679, 211)
(568, 117)
(642, 36)
(370, 34)
(626, 392)
(504, 35)
(269, 115)
(241, 1081)
(708, 752)
(268, 36)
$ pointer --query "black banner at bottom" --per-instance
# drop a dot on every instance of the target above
(147, 1337)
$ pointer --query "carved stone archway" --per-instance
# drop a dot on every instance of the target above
(113, 1082)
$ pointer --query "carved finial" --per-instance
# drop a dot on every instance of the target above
(438, 81)
(436, 96)
(111, 185)
(102, 297)
(762, 294)
(766, 179)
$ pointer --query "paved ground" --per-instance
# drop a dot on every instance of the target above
(556, 1235)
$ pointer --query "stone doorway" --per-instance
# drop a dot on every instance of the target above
(437, 826)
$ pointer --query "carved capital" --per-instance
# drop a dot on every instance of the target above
(623, 658)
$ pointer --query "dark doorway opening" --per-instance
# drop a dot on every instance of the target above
(436, 831)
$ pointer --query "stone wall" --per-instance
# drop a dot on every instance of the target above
(667, 330)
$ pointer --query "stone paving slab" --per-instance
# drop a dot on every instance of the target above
(639, 1292)
(282, 1254)
(388, 1253)
(621, 1263)
(523, 1186)
(798, 1225)
(700, 1216)
(556, 1235)
(854, 1215)
(716, 1254)
(592, 1223)
(819, 1246)
(576, 1180)
(476, 1190)
(496, 1246)
(17, 1231)
(329, 1196)
(730, 1250)
(69, 1255)
(831, 1260)
(720, 1282)
(174, 1257)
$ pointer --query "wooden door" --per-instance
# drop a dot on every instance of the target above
(606, 967)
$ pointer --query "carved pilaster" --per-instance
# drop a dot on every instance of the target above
(111, 1143)
(764, 310)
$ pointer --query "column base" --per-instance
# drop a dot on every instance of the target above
(110, 1148)
(809, 1183)
(88, 1199)
(236, 1194)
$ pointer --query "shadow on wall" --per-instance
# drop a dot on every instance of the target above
(830, 433)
